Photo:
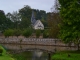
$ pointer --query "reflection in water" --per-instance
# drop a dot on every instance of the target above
(39, 55)
(36, 55)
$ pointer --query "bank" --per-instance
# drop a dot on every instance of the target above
(66, 55)
(5, 55)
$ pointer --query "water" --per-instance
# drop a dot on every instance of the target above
(39, 55)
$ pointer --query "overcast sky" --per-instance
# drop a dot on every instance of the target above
(15, 5)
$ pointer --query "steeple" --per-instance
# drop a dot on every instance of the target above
(33, 20)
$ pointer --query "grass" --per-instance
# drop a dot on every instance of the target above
(66, 55)
(5, 56)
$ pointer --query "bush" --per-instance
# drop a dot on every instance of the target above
(8, 32)
(46, 34)
(38, 32)
(27, 32)
(1, 51)
(17, 32)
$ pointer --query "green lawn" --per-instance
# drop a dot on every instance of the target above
(74, 55)
(5, 56)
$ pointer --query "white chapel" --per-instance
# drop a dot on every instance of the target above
(36, 24)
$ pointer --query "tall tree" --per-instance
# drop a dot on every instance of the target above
(70, 27)
(54, 20)
(2, 21)
(55, 7)
(25, 13)
(15, 18)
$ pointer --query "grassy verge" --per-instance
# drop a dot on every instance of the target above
(66, 55)
(5, 56)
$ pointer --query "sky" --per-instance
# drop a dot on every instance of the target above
(15, 5)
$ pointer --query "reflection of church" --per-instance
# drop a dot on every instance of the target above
(36, 24)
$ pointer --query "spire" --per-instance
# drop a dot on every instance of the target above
(33, 20)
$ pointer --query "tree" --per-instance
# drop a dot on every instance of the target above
(25, 13)
(16, 18)
(70, 14)
(2, 21)
(55, 7)
(53, 21)
(24, 23)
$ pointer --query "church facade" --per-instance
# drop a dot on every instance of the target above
(36, 24)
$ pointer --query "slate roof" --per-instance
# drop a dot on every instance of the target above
(36, 22)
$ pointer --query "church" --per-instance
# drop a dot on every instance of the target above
(36, 24)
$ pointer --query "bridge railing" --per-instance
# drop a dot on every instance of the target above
(36, 41)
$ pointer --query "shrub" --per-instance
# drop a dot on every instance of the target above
(1, 51)
(8, 33)
(46, 34)
(38, 32)
(17, 32)
(27, 32)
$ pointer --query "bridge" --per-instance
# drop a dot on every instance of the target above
(44, 44)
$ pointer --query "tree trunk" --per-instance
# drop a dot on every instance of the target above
(49, 56)
(78, 46)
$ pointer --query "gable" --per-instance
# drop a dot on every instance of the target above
(38, 25)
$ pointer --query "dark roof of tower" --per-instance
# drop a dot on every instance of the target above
(33, 20)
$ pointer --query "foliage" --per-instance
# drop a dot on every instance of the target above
(53, 21)
(25, 23)
(27, 32)
(17, 32)
(9, 24)
(38, 32)
(25, 13)
(46, 33)
(8, 32)
(15, 18)
(69, 28)
(2, 21)
(1, 51)
(20, 19)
